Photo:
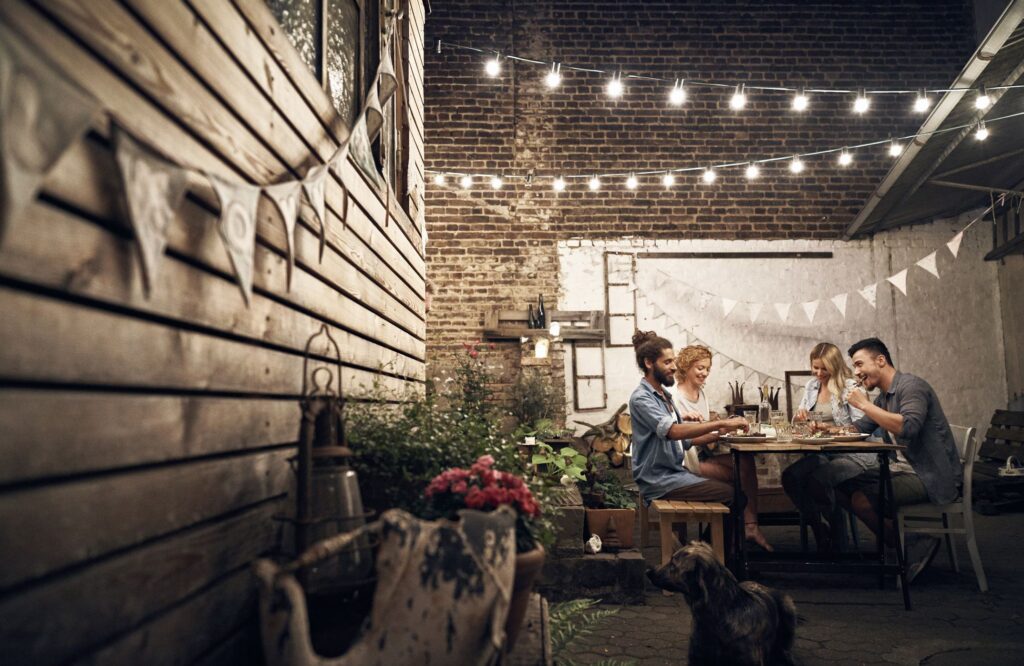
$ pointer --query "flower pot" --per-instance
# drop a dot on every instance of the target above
(528, 566)
(597, 523)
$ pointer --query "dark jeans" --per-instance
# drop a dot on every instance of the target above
(711, 491)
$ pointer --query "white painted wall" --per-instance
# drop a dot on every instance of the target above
(947, 330)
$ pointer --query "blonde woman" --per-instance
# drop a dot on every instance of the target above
(705, 457)
(811, 481)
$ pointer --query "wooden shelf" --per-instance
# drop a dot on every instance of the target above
(576, 325)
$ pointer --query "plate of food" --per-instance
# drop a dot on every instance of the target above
(816, 438)
(851, 437)
(747, 439)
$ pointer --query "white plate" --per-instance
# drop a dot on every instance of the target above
(746, 439)
(859, 437)
(813, 440)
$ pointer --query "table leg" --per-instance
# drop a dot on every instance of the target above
(738, 542)
(883, 486)
(886, 479)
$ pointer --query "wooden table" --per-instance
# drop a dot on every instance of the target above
(806, 562)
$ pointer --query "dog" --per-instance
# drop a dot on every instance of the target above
(733, 623)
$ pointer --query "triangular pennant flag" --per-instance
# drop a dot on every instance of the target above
(286, 197)
(727, 305)
(659, 280)
(656, 311)
(783, 310)
(928, 263)
(869, 293)
(153, 188)
(374, 114)
(387, 82)
(726, 362)
(839, 300)
(762, 378)
(361, 152)
(313, 185)
(809, 309)
(41, 114)
(237, 227)
(899, 280)
(755, 309)
(954, 243)
(704, 299)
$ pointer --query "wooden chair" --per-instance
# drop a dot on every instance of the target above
(934, 518)
(674, 512)
(1004, 439)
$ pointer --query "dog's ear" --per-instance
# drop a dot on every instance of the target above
(697, 592)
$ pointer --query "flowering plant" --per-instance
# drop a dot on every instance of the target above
(484, 488)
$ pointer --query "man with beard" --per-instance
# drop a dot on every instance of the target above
(660, 437)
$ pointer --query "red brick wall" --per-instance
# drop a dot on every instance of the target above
(490, 248)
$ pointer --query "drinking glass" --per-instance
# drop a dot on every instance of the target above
(753, 426)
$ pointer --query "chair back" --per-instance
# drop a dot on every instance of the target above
(967, 448)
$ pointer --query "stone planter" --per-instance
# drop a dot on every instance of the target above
(528, 567)
(625, 519)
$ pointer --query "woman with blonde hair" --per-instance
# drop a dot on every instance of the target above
(811, 481)
(707, 457)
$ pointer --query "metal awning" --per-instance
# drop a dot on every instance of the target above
(948, 172)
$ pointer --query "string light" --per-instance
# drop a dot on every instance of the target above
(496, 183)
(738, 99)
(554, 77)
(982, 101)
(800, 101)
(668, 180)
(631, 182)
(493, 67)
(982, 133)
(678, 95)
(895, 148)
(594, 183)
(752, 171)
(862, 103)
(559, 184)
(845, 158)
(439, 179)
(615, 86)
(922, 103)
(796, 165)
(709, 175)
(466, 182)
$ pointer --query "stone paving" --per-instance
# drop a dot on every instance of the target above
(849, 620)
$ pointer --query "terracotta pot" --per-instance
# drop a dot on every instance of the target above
(528, 566)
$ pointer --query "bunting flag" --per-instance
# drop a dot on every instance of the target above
(839, 301)
(783, 310)
(899, 280)
(286, 197)
(41, 114)
(809, 309)
(387, 81)
(374, 114)
(313, 185)
(954, 244)
(869, 293)
(704, 299)
(755, 309)
(928, 263)
(659, 280)
(153, 188)
(727, 305)
(237, 227)
(359, 149)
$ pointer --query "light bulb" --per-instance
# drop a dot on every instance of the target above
(466, 182)
(493, 67)
(439, 179)
(845, 158)
(594, 183)
(668, 180)
(753, 171)
(862, 103)
(496, 182)
(555, 329)
(631, 182)
(738, 99)
(678, 95)
(615, 86)
(922, 103)
(558, 184)
(800, 101)
(554, 77)
(982, 133)
(895, 148)
(709, 175)
(796, 165)
(982, 101)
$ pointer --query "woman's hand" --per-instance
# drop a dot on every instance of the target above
(801, 415)
(692, 416)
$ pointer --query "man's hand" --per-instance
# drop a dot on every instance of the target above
(858, 399)
(692, 416)
(735, 423)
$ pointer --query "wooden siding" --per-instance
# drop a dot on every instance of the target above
(144, 441)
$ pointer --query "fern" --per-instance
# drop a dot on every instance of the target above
(574, 619)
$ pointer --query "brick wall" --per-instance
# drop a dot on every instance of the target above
(490, 248)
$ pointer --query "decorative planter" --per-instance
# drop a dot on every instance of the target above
(625, 519)
(528, 566)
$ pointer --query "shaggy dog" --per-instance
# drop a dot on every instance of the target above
(733, 623)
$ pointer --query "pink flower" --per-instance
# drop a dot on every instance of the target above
(474, 353)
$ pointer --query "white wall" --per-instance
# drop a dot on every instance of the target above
(947, 330)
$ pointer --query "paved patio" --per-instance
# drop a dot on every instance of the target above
(846, 621)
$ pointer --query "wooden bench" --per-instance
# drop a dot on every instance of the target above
(675, 512)
(1004, 438)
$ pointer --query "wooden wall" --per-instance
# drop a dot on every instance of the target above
(143, 443)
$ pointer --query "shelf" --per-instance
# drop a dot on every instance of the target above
(576, 325)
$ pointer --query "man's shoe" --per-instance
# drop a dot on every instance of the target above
(920, 554)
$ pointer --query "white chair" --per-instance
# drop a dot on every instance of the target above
(934, 518)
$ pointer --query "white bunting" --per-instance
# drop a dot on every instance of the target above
(954, 243)
(783, 310)
(899, 280)
(374, 114)
(704, 299)
(387, 82)
(869, 293)
(656, 311)
(755, 309)
(727, 305)
(809, 309)
(313, 185)
(237, 227)
(928, 263)
(286, 197)
(659, 280)
(839, 301)
(153, 188)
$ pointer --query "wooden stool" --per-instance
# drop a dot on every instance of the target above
(674, 512)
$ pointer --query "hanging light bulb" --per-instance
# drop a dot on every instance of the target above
(845, 158)
(982, 101)
(709, 175)
(922, 103)
(668, 180)
(862, 103)
(493, 66)
(496, 182)
(678, 95)
(466, 182)
(594, 183)
(738, 99)
(555, 329)
(439, 179)
(753, 171)
(554, 77)
(982, 132)
(631, 182)
(615, 86)
(558, 184)
(796, 165)
(895, 148)
(800, 101)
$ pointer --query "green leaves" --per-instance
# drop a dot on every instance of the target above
(567, 462)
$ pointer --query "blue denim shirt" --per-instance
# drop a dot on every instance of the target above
(931, 450)
(657, 460)
(842, 413)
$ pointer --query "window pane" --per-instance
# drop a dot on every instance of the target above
(343, 58)
(300, 19)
